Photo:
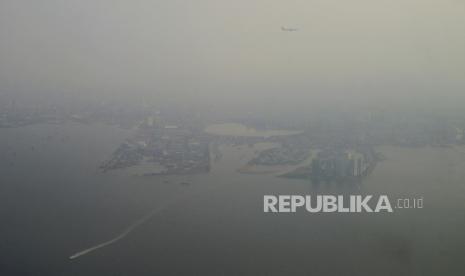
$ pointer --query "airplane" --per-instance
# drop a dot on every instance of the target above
(284, 29)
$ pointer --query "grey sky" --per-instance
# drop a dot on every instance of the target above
(345, 50)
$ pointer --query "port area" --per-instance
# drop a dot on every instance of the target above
(180, 150)
(165, 150)
(341, 165)
(338, 165)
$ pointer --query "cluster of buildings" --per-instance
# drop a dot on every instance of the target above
(170, 149)
(343, 164)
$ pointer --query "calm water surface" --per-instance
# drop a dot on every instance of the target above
(53, 202)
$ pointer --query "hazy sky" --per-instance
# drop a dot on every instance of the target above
(232, 51)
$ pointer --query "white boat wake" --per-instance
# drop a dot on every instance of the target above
(123, 234)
